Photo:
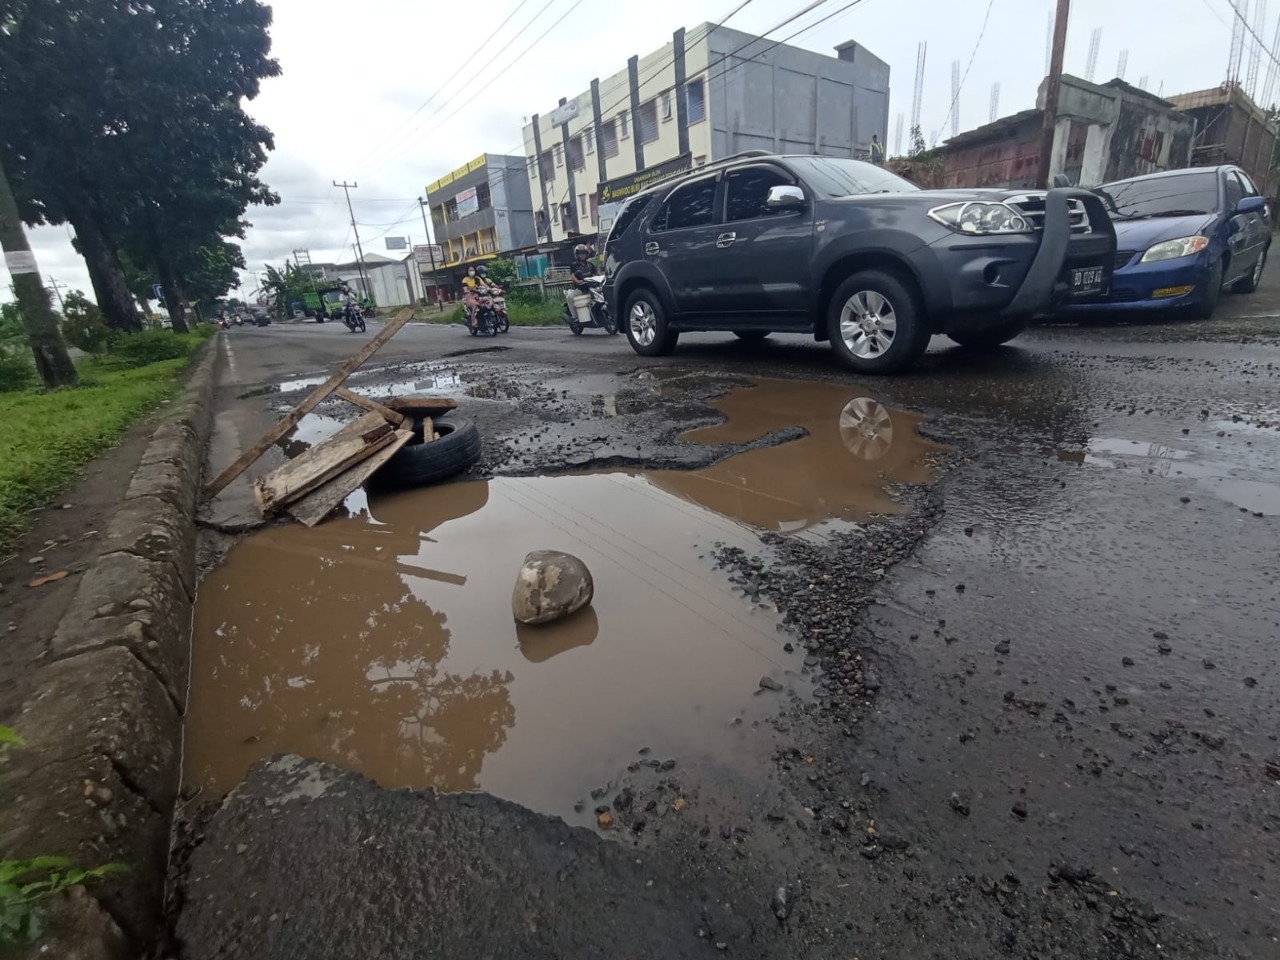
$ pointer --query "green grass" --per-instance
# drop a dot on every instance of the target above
(45, 437)
(520, 314)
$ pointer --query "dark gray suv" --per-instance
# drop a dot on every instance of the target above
(850, 253)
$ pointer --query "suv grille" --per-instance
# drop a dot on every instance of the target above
(1031, 206)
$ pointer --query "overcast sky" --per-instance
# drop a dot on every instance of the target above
(350, 102)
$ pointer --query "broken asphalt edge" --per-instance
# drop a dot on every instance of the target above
(97, 780)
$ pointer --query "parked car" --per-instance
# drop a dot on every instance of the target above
(1181, 237)
(850, 253)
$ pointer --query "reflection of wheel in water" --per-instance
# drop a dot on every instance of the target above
(866, 428)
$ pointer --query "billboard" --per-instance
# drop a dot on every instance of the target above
(633, 183)
(468, 203)
(428, 254)
(397, 243)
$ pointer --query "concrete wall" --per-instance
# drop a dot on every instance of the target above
(788, 99)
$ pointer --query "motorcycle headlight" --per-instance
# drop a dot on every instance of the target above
(1172, 249)
(979, 217)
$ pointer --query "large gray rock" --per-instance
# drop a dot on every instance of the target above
(551, 585)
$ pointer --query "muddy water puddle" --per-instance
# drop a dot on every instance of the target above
(384, 642)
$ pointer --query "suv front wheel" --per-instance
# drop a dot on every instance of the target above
(875, 324)
(646, 325)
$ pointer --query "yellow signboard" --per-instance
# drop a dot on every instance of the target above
(448, 178)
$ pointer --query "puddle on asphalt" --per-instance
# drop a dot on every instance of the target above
(839, 472)
(1227, 481)
(385, 643)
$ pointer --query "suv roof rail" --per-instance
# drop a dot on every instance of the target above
(714, 164)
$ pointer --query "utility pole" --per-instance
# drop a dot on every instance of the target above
(347, 188)
(1053, 84)
(45, 336)
(431, 250)
(57, 287)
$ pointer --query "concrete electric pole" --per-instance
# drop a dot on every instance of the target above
(347, 188)
(1053, 83)
(47, 346)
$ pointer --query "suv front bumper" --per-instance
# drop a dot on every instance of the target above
(1062, 253)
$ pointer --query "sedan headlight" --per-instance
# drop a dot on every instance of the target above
(980, 217)
(1173, 249)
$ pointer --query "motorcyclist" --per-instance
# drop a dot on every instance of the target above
(349, 301)
(469, 301)
(583, 269)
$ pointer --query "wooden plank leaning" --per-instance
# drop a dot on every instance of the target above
(321, 463)
(373, 406)
(322, 501)
(309, 403)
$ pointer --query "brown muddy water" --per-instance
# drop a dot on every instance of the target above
(383, 640)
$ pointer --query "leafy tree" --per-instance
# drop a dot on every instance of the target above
(287, 285)
(503, 272)
(82, 323)
(12, 331)
(124, 119)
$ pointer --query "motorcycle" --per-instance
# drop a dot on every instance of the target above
(491, 312)
(588, 309)
(353, 317)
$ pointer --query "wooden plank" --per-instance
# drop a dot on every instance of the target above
(309, 403)
(422, 406)
(428, 430)
(322, 501)
(373, 406)
(319, 465)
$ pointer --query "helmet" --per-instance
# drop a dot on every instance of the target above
(581, 250)
(482, 270)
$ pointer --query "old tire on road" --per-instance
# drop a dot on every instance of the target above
(987, 338)
(455, 449)
(876, 324)
(646, 324)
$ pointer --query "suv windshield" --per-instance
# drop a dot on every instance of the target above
(829, 177)
(1184, 194)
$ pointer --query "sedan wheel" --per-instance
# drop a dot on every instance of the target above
(868, 324)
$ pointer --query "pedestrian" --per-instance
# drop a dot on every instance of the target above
(877, 150)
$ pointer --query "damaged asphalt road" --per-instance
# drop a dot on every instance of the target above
(1032, 713)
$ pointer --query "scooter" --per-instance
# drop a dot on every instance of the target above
(588, 309)
(487, 319)
(353, 317)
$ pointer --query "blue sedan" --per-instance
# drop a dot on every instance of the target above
(1181, 237)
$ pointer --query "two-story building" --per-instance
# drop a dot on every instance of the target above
(480, 209)
(709, 93)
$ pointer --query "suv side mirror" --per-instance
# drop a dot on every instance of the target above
(784, 198)
(1250, 205)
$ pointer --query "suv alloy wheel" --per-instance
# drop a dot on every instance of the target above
(875, 324)
(646, 325)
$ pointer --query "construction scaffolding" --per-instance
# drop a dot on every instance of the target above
(1231, 128)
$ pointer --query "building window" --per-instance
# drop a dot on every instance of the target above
(666, 105)
(559, 155)
(595, 208)
(647, 122)
(695, 101)
(548, 166)
(590, 136)
(555, 213)
(582, 204)
(483, 200)
(577, 158)
(609, 139)
(622, 122)
(566, 216)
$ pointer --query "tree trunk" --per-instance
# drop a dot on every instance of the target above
(105, 273)
(172, 295)
(41, 323)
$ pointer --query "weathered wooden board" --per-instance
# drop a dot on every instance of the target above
(322, 501)
(373, 406)
(421, 406)
(309, 403)
(317, 466)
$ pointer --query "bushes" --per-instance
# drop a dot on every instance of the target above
(148, 346)
(17, 372)
(82, 324)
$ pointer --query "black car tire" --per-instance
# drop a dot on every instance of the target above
(910, 337)
(416, 464)
(654, 319)
(751, 336)
(987, 338)
(1213, 291)
(1250, 283)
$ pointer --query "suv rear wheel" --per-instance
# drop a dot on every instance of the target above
(646, 325)
(875, 323)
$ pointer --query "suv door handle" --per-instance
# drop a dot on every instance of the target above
(726, 240)
(651, 248)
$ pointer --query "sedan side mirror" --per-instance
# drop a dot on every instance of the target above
(1251, 205)
(783, 198)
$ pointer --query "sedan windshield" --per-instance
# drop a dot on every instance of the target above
(830, 177)
(1184, 194)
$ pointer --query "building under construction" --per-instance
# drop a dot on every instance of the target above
(1230, 128)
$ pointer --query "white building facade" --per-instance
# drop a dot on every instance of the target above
(710, 93)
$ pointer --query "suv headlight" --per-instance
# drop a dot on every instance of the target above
(980, 217)
(1172, 249)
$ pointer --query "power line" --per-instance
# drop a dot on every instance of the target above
(956, 97)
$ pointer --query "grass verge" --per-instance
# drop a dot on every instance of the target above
(520, 314)
(45, 437)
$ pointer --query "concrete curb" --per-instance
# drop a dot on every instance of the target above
(98, 778)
